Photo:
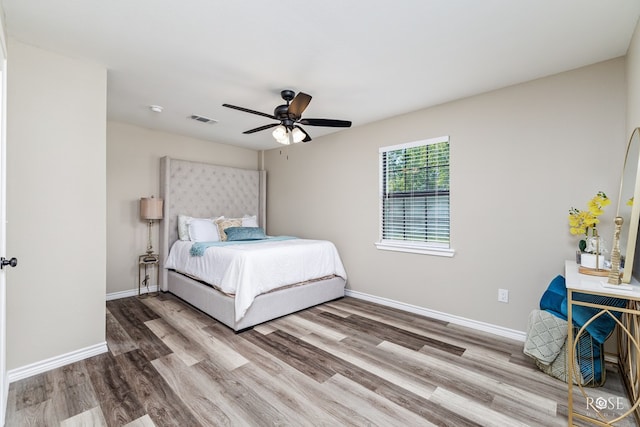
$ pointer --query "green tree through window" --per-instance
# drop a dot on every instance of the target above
(415, 192)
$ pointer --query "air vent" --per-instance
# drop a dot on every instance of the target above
(203, 119)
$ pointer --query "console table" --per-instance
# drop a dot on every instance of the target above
(628, 344)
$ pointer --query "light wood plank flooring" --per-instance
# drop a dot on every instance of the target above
(348, 362)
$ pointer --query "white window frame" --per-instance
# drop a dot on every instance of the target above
(425, 248)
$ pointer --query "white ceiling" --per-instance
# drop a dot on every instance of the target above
(360, 60)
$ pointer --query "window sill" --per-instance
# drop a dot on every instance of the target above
(415, 249)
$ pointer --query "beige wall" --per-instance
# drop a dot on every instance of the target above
(521, 157)
(133, 171)
(56, 204)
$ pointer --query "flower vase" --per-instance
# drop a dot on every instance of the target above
(591, 261)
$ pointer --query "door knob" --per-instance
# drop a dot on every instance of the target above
(11, 262)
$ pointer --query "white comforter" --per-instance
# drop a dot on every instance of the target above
(248, 270)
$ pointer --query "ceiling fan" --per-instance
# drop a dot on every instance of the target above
(290, 118)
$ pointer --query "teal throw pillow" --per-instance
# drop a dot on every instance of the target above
(244, 233)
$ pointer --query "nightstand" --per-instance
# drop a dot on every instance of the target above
(146, 263)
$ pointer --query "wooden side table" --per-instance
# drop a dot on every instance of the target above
(148, 262)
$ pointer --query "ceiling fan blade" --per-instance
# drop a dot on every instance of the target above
(246, 110)
(272, 125)
(326, 122)
(307, 138)
(298, 105)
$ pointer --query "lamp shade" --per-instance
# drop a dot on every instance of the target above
(280, 132)
(298, 135)
(150, 208)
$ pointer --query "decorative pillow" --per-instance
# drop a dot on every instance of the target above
(554, 300)
(225, 223)
(183, 225)
(203, 230)
(249, 221)
(244, 233)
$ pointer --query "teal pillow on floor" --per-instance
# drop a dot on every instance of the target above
(554, 300)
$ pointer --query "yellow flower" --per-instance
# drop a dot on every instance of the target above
(581, 221)
(598, 202)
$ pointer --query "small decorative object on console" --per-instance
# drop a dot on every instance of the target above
(585, 222)
(614, 273)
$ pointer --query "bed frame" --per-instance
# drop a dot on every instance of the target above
(204, 190)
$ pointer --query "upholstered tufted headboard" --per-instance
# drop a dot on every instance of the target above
(203, 190)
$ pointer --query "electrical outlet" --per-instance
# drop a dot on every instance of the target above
(503, 295)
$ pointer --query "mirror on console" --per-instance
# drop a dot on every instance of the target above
(630, 211)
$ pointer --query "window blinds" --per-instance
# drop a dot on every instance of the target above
(415, 192)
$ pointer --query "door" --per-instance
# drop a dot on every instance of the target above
(4, 386)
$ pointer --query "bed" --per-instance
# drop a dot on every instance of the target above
(203, 190)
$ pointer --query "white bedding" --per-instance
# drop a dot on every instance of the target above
(250, 269)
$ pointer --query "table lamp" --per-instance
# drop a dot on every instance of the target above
(150, 210)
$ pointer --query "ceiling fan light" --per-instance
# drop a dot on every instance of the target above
(283, 138)
(297, 135)
(279, 133)
(284, 141)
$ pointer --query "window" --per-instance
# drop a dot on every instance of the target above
(414, 197)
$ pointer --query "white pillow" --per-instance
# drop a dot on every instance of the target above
(203, 230)
(249, 221)
(183, 225)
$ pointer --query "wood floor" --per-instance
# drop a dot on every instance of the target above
(348, 362)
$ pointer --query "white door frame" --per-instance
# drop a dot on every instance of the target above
(4, 383)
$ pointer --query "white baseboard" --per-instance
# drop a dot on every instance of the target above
(474, 324)
(75, 356)
(55, 362)
(129, 293)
